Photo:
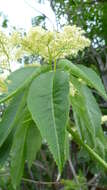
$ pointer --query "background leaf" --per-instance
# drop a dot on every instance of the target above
(87, 74)
(87, 115)
(5, 149)
(18, 153)
(11, 116)
(33, 142)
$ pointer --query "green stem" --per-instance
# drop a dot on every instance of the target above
(90, 150)
(50, 57)
(26, 121)
(55, 65)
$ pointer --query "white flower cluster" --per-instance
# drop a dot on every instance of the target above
(50, 45)
(104, 119)
(3, 86)
(4, 50)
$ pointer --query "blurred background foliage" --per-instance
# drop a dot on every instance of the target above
(91, 15)
(3, 20)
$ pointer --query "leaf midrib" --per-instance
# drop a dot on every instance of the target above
(53, 114)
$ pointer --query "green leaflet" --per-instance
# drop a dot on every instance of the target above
(26, 143)
(18, 154)
(48, 102)
(93, 112)
(87, 115)
(5, 149)
(86, 131)
(87, 74)
(18, 80)
(18, 77)
(33, 142)
(11, 116)
(100, 147)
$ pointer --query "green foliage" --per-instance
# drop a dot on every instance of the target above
(17, 81)
(18, 154)
(5, 149)
(39, 20)
(73, 185)
(89, 15)
(33, 141)
(38, 106)
(50, 110)
(89, 76)
(84, 107)
(11, 116)
(19, 78)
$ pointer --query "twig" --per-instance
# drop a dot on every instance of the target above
(41, 182)
(73, 172)
(31, 175)
(46, 163)
(40, 165)
(4, 174)
(93, 179)
(58, 177)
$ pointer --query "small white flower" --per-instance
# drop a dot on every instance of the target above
(52, 45)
